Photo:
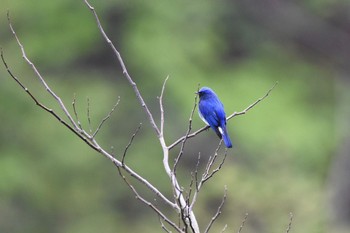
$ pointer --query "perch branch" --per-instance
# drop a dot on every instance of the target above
(253, 104)
(228, 118)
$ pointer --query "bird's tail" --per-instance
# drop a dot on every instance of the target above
(226, 138)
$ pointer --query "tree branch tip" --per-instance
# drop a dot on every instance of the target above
(274, 85)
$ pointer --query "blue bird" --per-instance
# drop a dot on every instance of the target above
(212, 112)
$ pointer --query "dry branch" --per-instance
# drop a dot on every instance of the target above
(243, 222)
(290, 222)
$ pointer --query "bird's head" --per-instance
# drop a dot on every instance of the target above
(205, 92)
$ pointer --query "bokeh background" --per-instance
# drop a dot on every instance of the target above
(291, 152)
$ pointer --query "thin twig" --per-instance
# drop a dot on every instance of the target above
(130, 142)
(76, 113)
(253, 104)
(106, 118)
(187, 133)
(224, 229)
(88, 114)
(211, 161)
(228, 118)
(218, 212)
(243, 222)
(208, 176)
(196, 171)
(290, 222)
(194, 181)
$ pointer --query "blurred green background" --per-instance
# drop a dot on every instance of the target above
(290, 152)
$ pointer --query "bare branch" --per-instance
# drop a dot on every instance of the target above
(161, 108)
(243, 222)
(125, 71)
(211, 161)
(88, 114)
(106, 118)
(253, 104)
(42, 106)
(53, 94)
(224, 229)
(218, 212)
(187, 133)
(149, 204)
(196, 171)
(208, 176)
(130, 142)
(89, 141)
(290, 222)
(76, 113)
(228, 118)
(187, 214)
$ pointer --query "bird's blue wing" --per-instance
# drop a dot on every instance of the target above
(208, 113)
(212, 113)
